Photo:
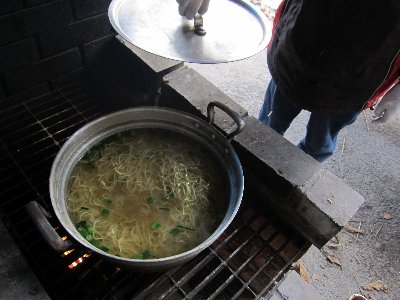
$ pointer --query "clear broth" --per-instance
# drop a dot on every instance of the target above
(147, 194)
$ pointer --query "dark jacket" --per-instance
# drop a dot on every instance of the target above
(333, 55)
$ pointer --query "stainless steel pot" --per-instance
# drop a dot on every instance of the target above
(199, 131)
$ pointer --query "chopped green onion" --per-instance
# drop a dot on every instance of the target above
(104, 248)
(108, 200)
(105, 212)
(82, 230)
(150, 200)
(155, 225)
(175, 231)
(84, 208)
(87, 232)
(146, 254)
(94, 242)
(81, 227)
(81, 223)
(184, 227)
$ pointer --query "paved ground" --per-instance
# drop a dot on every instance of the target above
(368, 159)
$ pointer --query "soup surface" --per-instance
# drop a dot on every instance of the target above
(147, 194)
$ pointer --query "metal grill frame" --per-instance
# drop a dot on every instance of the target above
(28, 152)
(213, 252)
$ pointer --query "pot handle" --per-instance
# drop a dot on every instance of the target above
(39, 217)
(233, 114)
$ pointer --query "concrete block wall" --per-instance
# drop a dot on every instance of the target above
(44, 39)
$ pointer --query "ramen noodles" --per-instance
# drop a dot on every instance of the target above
(147, 194)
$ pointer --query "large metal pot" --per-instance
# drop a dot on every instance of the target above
(199, 131)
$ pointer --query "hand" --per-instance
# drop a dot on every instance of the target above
(189, 8)
(389, 106)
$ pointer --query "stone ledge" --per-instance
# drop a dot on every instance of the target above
(327, 204)
(293, 287)
(280, 156)
(316, 202)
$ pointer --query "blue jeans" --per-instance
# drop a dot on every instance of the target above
(278, 112)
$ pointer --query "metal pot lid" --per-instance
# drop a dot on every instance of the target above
(235, 29)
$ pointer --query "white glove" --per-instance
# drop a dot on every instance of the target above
(189, 8)
(389, 106)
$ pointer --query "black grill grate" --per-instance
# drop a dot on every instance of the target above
(244, 263)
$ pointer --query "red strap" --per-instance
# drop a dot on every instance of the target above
(278, 15)
(392, 79)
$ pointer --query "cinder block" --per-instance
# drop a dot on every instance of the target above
(157, 64)
(326, 205)
(118, 75)
(24, 23)
(278, 241)
(273, 159)
(42, 71)
(7, 6)
(10, 102)
(93, 49)
(2, 93)
(85, 8)
(18, 54)
(67, 37)
(31, 3)
(267, 232)
(313, 200)
(289, 251)
(79, 75)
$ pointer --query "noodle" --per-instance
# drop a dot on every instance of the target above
(138, 195)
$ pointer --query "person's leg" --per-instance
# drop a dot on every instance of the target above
(277, 111)
(322, 132)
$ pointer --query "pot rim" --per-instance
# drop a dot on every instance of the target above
(80, 136)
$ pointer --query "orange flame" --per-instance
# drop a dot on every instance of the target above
(68, 252)
(78, 261)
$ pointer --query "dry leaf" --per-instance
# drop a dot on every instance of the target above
(387, 216)
(334, 259)
(353, 229)
(332, 245)
(378, 285)
(301, 269)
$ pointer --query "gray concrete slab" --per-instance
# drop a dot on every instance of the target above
(293, 287)
(18, 281)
